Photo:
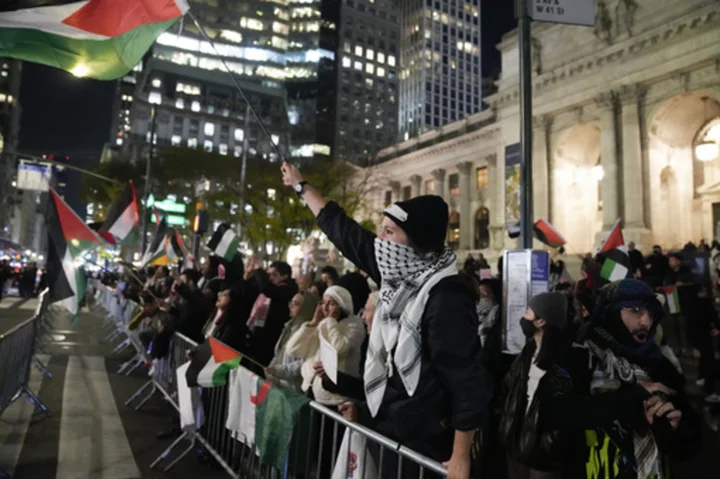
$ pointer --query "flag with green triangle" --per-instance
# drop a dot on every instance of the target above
(156, 252)
(211, 362)
(68, 238)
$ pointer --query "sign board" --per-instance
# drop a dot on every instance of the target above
(575, 12)
(34, 176)
(512, 183)
(526, 273)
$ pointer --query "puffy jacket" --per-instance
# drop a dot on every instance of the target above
(521, 432)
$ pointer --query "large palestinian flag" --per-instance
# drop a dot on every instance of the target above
(156, 252)
(101, 39)
(123, 218)
(224, 242)
(211, 362)
(68, 238)
(616, 264)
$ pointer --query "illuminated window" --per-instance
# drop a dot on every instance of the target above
(281, 28)
(453, 237)
(369, 68)
(223, 149)
(381, 57)
(175, 140)
(481, 178)
(208, 145)
(187, 89)
(347, 48)
(239, 134)
(275, 139)
(369, 54)
(252, 24)
(195, 106)
(358, 66)
(380, 72)
(231, 35)
(358, 50)
(279, 42)
(369, 82)
(192, 142)
(237, 151)
(119, 141)
(482, 230)
(211, 109)
(454, 184)
(391, 60)
(155, 97)
(209, 129)
(346, 62)
(180, 103)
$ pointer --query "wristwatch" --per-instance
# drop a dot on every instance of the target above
(300, 188)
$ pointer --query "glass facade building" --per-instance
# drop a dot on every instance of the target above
(440, 79)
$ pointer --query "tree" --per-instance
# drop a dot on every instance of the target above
(272, 219)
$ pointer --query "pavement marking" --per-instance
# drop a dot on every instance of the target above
(30, 304)
(93, 442)
(8, 303)
(16, 420)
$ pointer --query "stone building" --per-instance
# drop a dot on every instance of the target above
(624, 113)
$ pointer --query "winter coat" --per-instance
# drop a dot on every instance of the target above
(346, 336)
(266, 337)
(520, 429)
(454, 390)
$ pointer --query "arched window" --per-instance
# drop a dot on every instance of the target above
(482, 231)
(454, 230)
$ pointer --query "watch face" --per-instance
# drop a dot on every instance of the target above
(298, 187)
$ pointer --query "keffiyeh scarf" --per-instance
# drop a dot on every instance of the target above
(395, 341)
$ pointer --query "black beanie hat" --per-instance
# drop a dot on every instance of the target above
(424, 219)
(552, 307)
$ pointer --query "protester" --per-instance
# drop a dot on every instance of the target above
(676, 324)
(535, 377)
(628, 411)
(271, 309)
(656, 267)
(317, 288)
(358, 287)
(227, 324)
(208, 270)
(285, 368)
(637, 261)
(329, 276)
(416, 375)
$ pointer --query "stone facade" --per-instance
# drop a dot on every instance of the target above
(617, 111)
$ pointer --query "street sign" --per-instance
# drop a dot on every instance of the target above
(34, 176)
(575, 12)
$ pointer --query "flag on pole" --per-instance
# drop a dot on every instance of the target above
(224, 242)
(173, 246)
(69, 237)
(547, 234)
(156, 252)
(123, 217)
(101, 39)
(672, 299)
(617, 260)
(211, 363)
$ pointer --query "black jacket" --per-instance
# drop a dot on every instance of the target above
(454, 390)
(525, 438)
(265, 338)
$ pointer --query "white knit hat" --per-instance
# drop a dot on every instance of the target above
(342, 297)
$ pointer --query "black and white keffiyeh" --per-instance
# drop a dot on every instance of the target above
(407, 278)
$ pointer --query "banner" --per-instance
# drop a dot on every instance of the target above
(512, 184)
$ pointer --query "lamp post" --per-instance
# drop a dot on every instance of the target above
(526, 185)
(148, 170)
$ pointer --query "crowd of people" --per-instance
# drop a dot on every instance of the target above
(24, 279)
(594, 393)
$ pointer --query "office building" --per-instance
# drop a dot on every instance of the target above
(440, 79)
(10, 71)
(367, 103)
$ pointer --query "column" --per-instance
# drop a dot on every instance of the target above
(467, 225)
(491, 202)
(396, 191)
(608, 106)
(542, 173)
(416, 184)
(439, 180)
(634, 219)
(497, 216)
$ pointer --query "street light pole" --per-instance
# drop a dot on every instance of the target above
(526, 140)
(148, 183)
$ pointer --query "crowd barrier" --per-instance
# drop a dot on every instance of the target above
(18, 349)
(314, 451)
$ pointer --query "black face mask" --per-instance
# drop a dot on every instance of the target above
(528, 328)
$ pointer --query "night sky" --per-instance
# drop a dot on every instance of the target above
(65, 115)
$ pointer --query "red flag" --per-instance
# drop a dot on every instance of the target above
(546, 233)
(614, 240)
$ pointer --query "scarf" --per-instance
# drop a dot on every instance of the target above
(305, 314)
(406, 280)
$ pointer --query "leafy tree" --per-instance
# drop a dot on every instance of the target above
(273, 218)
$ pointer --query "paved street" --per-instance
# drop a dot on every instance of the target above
(90, 434)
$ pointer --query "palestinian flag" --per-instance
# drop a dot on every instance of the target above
(547, 234)
(123, 217)
(174, 246)
(617, 260)
(102, 39)
(672, 299)
(156, 252)
(211, 363)
(68, 238)
(224, 242)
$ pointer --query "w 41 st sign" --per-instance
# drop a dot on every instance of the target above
(576, 12)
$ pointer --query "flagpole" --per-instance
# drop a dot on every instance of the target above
(148, 183)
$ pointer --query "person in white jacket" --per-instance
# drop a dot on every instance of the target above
(335, 322)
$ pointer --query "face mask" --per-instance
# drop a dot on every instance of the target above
(528, 328)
